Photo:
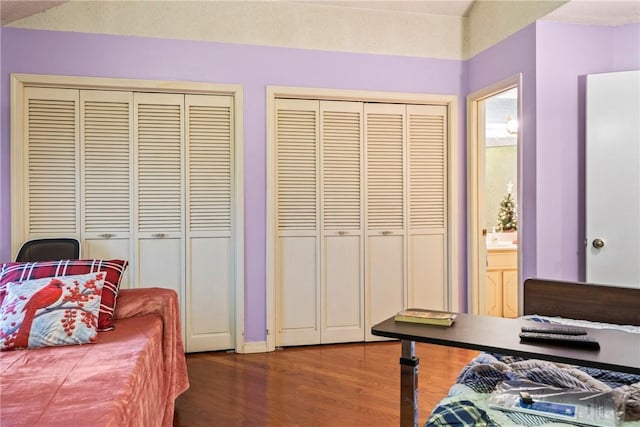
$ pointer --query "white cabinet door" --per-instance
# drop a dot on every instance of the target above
(209, 177)
(613, 179)
(342, 282)
(494, 293)
(297, 223)
(427, 187)
(385, 261)
(159, 198)
(106, 132)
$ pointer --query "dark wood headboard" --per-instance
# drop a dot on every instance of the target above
(583, 301)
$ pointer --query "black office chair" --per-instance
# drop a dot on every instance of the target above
(49, 250)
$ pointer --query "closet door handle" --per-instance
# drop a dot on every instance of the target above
(107, 235)
(158, 235)
(341, 233)
(386, 233)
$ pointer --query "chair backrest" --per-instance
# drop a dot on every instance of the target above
(49, 250)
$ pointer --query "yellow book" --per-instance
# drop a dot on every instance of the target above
(429, 317)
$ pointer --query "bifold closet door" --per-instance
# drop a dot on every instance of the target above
(51, 172)
(159, 186)
(427, 189)
(106, 132)
(297, 225)
(209, 273)
(342, 278)
(385, 261)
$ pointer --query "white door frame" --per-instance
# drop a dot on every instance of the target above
(476, 260)
(450, 101)
(20, 81)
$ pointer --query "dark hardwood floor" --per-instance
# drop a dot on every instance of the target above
(329, 385)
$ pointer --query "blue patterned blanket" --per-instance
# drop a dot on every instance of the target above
(486, 371)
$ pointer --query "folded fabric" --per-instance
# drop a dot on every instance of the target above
(460, 413)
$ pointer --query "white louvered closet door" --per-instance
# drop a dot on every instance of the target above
(385, 260)
(297, 222)
(51, 170)
(342, 282)
(209, 178)
(106, 129)
(427, 173)
(159, 184)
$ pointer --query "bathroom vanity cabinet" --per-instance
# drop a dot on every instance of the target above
(502, 281)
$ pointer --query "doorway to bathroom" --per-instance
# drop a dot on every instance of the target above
(493, 199)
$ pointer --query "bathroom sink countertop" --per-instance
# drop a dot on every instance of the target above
(501, 245)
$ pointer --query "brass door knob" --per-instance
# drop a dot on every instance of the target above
(598, 243)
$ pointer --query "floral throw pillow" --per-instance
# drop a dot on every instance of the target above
(51, 311)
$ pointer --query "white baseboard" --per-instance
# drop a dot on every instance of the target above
(255, 347)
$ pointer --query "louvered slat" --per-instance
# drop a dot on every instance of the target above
(210, 139)
(427, 166)
(341, 169)
(107, 178)
(385, 170)
(159, 138)
(296, 153)
(52, 164)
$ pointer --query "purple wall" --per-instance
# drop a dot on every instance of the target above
(80, 54)
(626, 47)
(505, 59)
(553, 116)
(561, 75)
(554, 59)
(560, 149)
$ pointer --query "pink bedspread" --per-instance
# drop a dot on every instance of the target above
(130, 377)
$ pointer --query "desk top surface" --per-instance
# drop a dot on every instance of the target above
(619, 351)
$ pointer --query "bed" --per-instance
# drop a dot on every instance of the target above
(130, 375)
(491, 379)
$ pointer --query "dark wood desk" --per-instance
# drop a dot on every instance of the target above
(619, 351)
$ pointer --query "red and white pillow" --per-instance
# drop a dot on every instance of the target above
(51, 311)
(114, 269)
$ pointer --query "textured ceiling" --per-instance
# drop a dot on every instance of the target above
(595, 12)
(430, 7)
(12, 10)
(602, 12)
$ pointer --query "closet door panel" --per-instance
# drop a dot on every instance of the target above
(209, 316)
(386, 275)
(209, 276)
(298, 292)
(385, 261)
(342, 296)
(158, 263)
(51, 183)
(159, 197)
(297, 222)
(427, 200)
(342, 281)
(427, 290)
(106, 119)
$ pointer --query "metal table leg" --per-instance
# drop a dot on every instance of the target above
(408, 385)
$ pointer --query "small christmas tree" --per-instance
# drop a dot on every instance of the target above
(507, 218)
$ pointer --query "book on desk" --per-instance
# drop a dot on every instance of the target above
(428, 317)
